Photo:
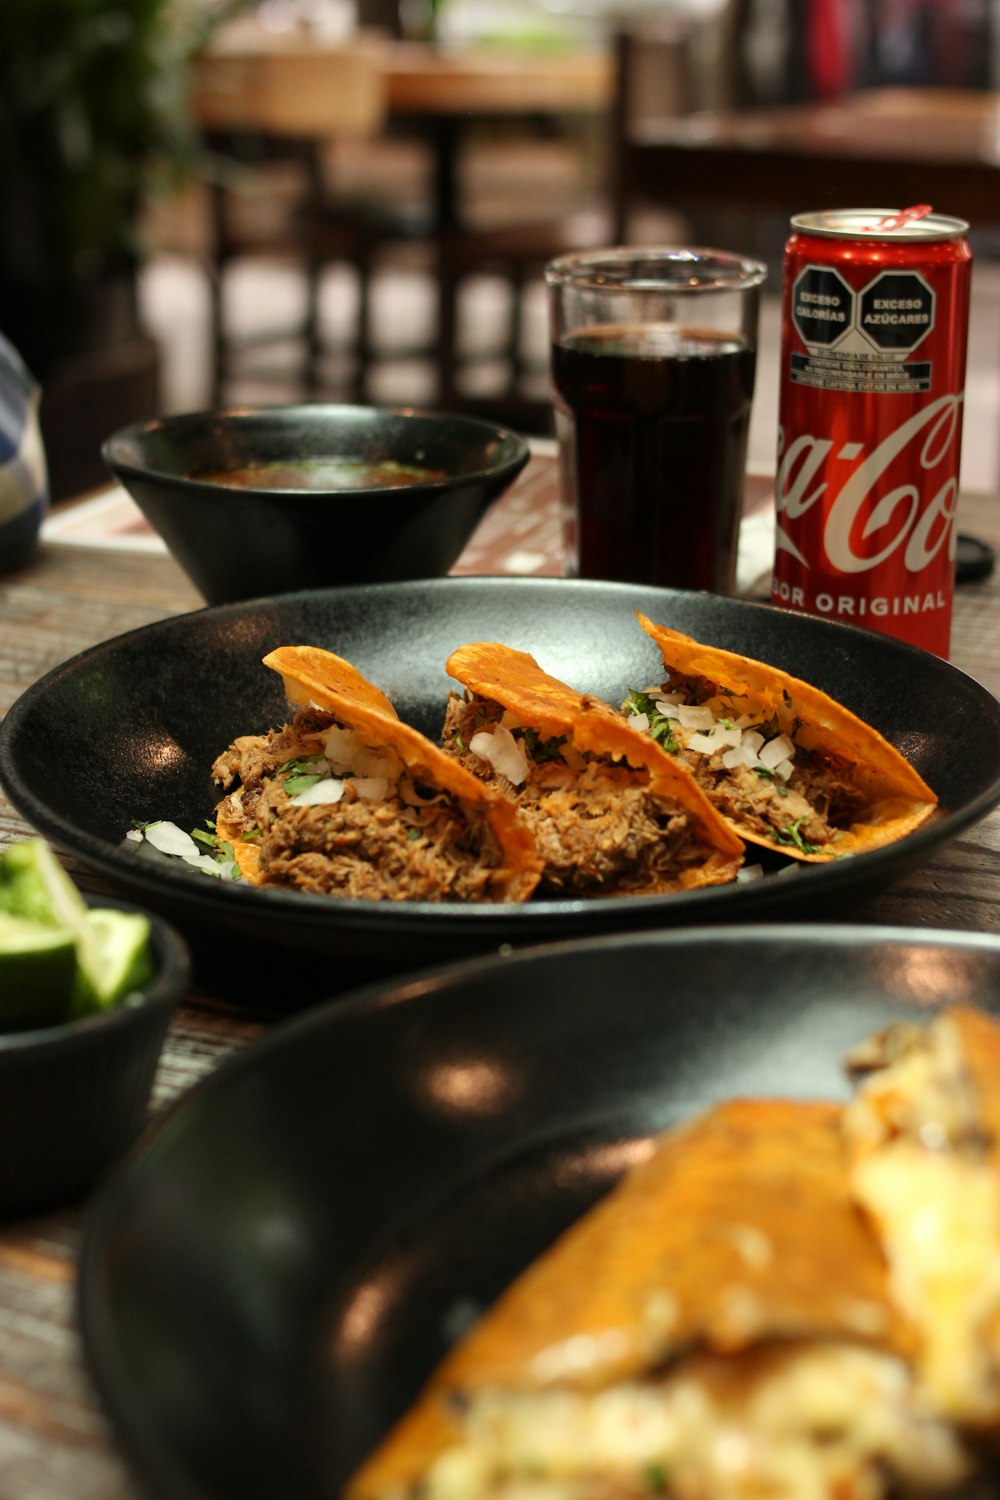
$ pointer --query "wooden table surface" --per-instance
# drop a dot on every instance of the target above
(55, 1443)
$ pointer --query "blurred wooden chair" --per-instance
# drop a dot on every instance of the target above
(514, 253)
(270, 198)
(268, 122)
(267, 111)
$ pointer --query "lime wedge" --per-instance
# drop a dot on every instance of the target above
(33, 884)
(119, 959)
(37, 968)
(112, 947)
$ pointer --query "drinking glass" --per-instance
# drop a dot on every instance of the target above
(653, 358)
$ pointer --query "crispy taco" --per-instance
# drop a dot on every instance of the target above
(924, 1137)
(346, 800)
(788, 767)
(719, 1327)
(611, 813)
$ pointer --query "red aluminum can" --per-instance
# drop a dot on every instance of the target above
(874, 334)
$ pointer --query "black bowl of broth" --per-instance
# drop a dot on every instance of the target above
(268, 500)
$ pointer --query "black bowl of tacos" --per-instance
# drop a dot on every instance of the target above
(142, 721)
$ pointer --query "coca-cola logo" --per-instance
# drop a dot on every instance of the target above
(872, 516)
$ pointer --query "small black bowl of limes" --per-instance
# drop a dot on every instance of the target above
(87, 989)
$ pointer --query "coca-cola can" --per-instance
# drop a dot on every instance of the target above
(874, 334)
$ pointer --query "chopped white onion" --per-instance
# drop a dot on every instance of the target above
(339, 747)
(206, 864)
(750, 872)
(371, 788)
(382, 764)
(170, 839)
(776, 750)
(502, 752)
(733, 758)
(752, 741)
(639, 721)
(716, 739)
(692, 716)
(330, 789)
(784, 769)
(135, 835)
(668, 707)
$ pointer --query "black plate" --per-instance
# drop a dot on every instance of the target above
(266, 1284)
(129, 730)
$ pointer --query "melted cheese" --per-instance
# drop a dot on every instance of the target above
(924, 1176)
(806, 1423)
(939, 1219)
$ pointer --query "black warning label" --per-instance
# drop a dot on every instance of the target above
(822, 306)
(896, 311)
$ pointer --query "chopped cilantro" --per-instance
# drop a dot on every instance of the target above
(779, 786)
(296, 784)
(459, 743)
(300, 774)
(637, 702)
(220, 849)
(656, 1478)
(660, 731)
(659, 725)
(793, 835)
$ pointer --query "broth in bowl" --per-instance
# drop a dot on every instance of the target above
(324, 474)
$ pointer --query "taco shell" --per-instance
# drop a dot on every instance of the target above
(584, 726)
(319, 679)
(727, 1285)
(883, 796)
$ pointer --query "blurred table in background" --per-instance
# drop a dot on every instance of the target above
(299, 95)
(279, 84)
(445, 92)
(876, 148)
(282, 82)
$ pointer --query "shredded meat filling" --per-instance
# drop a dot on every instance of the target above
(597, 827)
(415, 845)
(818, 799)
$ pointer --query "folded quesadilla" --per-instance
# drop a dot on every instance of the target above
(924, 1136)
(345, 800)
(719, 1327)
(610, 812)
(788, 767)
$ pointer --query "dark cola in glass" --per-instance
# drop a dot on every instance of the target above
(653, 362)
(652, 425)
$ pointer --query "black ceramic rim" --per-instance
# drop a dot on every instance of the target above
(95, 1298)
(486, 924)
